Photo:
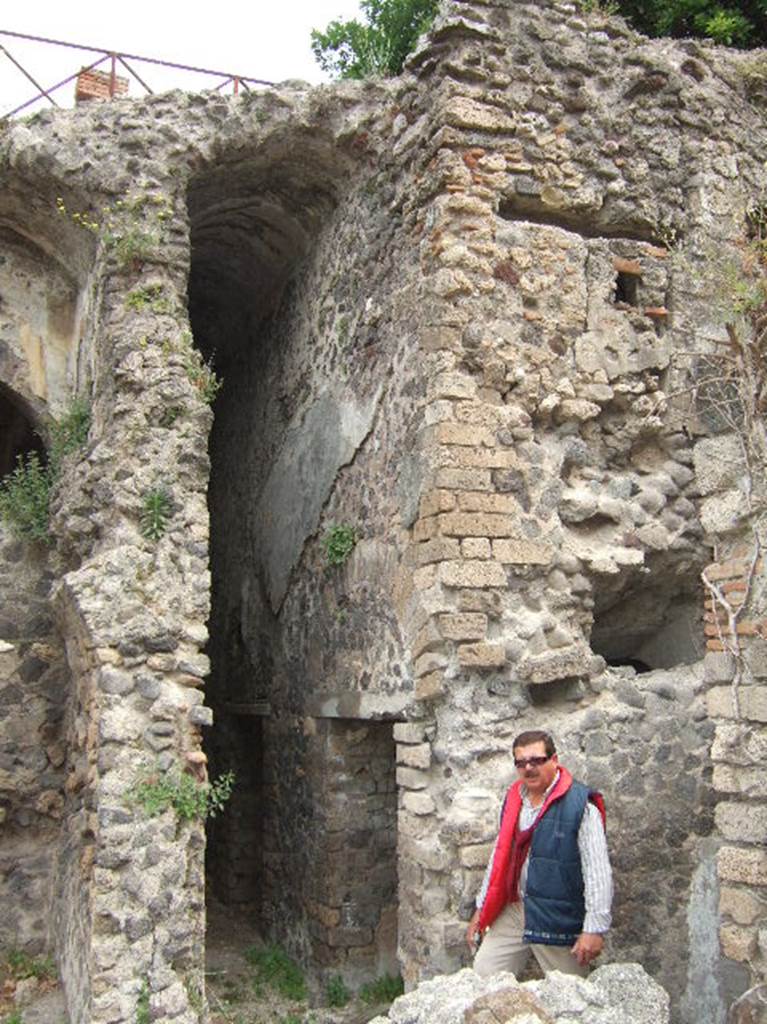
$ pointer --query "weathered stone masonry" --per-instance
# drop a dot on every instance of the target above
(463, 312)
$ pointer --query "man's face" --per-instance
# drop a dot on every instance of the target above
(537, 778)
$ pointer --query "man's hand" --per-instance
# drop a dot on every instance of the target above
(587, 947)
(471, 931)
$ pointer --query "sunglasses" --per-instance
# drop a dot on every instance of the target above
(534, 762)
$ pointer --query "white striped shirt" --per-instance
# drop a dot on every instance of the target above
(595, 863)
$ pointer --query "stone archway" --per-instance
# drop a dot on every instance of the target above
(265, 304)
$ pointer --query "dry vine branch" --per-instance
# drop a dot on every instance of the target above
(729, 390)
(730, 641)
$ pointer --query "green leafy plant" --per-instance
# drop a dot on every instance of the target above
(275, 969)
(169, 416)
(338, 543)
(25, 492)
(14, 1017)
(195, 996)
(336, 992)
(155, 513)
(156, 791)
(202, 375)
(377, 46)
(24, 965)
(132, 246)
(382, 990)
(598, 6)
(124, 226)
(70, 433)
(25, 497)
(150, 297)
(741, 23)
(143, 1010)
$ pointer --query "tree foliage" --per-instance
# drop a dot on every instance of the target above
(377, 46)
(741, 23)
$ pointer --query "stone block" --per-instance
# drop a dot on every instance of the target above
(755, 657)
(719, 701)
(430, 662)
(427, 853)
(463, 626)
(510, 1005)
(560, 664)
(436, 501)
(479, 501)
(340, 937)
(752, 702)
(476, 458)
(200, 714)
(112, 680)
(476, 547)
(452, 384)
(463, 112)
(476, 855)
(329, 917)
(119, 725)
(440, 549)
(718, 463)
(425, 577)
(464, 479)
(739, 865)
(746, 823)
(412, 778)
(476, 573)
(428, 638)
(482, 655)
(732, 569)
(741, 905)
(436, 339)
(737, 943)
(476, 524)
(418, 803)
(739, 744)
(409, 732)
(464, 434)
(418, 756)
(430, 686)
(425, 529)
(750, 1008)
(518, 551)
(746, 781)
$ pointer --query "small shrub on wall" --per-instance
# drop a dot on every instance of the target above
(25, 493)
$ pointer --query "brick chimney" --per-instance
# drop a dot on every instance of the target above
(95, 85)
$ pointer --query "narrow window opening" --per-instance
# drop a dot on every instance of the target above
(18, 436)
(626, 289)
(650, 620)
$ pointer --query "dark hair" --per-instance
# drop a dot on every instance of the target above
(535, 736)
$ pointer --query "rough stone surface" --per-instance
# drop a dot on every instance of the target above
(450, 319)
(612, 994)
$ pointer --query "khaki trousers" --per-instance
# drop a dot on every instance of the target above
(502, 948)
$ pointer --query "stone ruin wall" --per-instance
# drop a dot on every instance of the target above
(409, 290)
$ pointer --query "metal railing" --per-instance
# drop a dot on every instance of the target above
(113, 58)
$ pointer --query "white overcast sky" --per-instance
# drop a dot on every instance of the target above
(267, 40)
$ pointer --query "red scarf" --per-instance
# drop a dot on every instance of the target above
(512, 848)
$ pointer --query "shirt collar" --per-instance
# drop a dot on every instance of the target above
(526, 798)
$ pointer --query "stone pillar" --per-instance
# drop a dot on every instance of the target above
(736, 663)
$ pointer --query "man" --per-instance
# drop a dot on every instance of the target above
(548, 886)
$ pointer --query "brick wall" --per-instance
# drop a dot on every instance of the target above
(99, 85)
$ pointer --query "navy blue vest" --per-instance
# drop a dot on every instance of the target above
(554, 904)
